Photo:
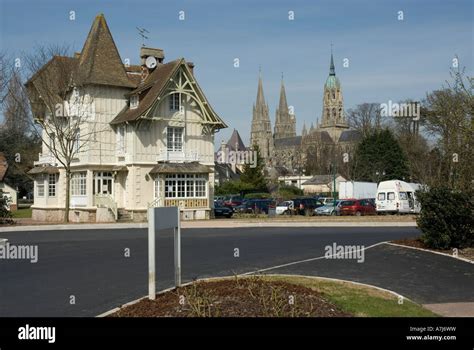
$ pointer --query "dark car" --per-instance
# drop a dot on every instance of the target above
(220, 211)
(233, 201)
(306, 206)
(257, 206)
(357, 207)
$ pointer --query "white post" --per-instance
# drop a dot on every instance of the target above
(177, 252)
(151, 255)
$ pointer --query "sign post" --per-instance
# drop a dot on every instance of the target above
(160, 219)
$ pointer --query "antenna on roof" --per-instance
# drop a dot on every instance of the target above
(141, 32)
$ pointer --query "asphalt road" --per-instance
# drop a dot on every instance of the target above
(91, 267)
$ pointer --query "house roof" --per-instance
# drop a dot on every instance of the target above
(180, 168)
(224, 171)
(148, 91)
(100, 61)
(3, 166)
(154, 87)
(234, 140)
(320, 180)
(44, 170)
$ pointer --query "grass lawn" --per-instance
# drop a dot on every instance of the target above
(22, 213)
(360, 300)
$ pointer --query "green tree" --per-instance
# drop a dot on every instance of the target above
(253, 174)
(379, 157)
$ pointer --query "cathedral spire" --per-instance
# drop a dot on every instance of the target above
(332, 70)
(283, 105)
(260, 95)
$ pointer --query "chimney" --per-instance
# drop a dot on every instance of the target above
(145, 53)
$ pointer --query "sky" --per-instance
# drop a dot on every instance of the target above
(389, 59)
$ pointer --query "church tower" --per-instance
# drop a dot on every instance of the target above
(285, 123)
(261, 132)
(333, 120)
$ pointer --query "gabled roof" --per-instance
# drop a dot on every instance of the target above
(320, 180)
(234, 140)
(100, 61)
(154, 87)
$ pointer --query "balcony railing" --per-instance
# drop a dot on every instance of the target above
(177, 156)
(44, 159)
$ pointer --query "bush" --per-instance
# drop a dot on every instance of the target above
(5, 214)
(259, 195)
(286, 192)
(447, 218)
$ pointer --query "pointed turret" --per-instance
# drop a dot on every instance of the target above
(304, 132)
(332, 69)
(100, 62)
(285, 124)
(261, 132)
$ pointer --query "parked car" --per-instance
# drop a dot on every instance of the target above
(257, 206)
(284, 207)
(233, 201)
(306, 206)
(329, 209)
(326, 200)
(221, 211)
(357, 207)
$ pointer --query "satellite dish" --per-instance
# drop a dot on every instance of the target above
(150, 62)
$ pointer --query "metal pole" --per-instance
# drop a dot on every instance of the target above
(151, 255)
(177, 252)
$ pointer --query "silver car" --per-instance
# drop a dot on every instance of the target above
(329, 209)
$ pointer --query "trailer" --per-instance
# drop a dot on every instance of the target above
(357, 189)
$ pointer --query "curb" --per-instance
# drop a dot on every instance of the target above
(208, 279)
(431, 251)
(191, 225)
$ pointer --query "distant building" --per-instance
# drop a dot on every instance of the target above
(321, 143)
(321, 184)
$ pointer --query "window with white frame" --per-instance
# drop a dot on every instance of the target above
(175, 102)
(79, 184)
(157, 187)
(40, 186)
(174, 138)
(186, 186)
(121, 139)
(134, 100)
(52, 180)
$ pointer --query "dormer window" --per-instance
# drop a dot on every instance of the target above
(133, 101)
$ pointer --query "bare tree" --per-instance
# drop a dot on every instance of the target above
(63, 110)
(365, 118)
(448, 117)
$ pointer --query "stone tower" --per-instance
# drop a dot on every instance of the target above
(285, 123)
(333, 120)
(261, 132)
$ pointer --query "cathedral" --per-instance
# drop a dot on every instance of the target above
(330, 141)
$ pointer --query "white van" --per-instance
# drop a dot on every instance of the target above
(396, 196)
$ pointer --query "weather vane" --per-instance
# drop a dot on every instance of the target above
(141, 32)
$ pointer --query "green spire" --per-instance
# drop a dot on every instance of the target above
(332, 70)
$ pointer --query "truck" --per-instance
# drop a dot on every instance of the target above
(357, 189)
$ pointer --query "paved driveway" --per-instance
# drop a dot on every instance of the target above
(91, 267)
